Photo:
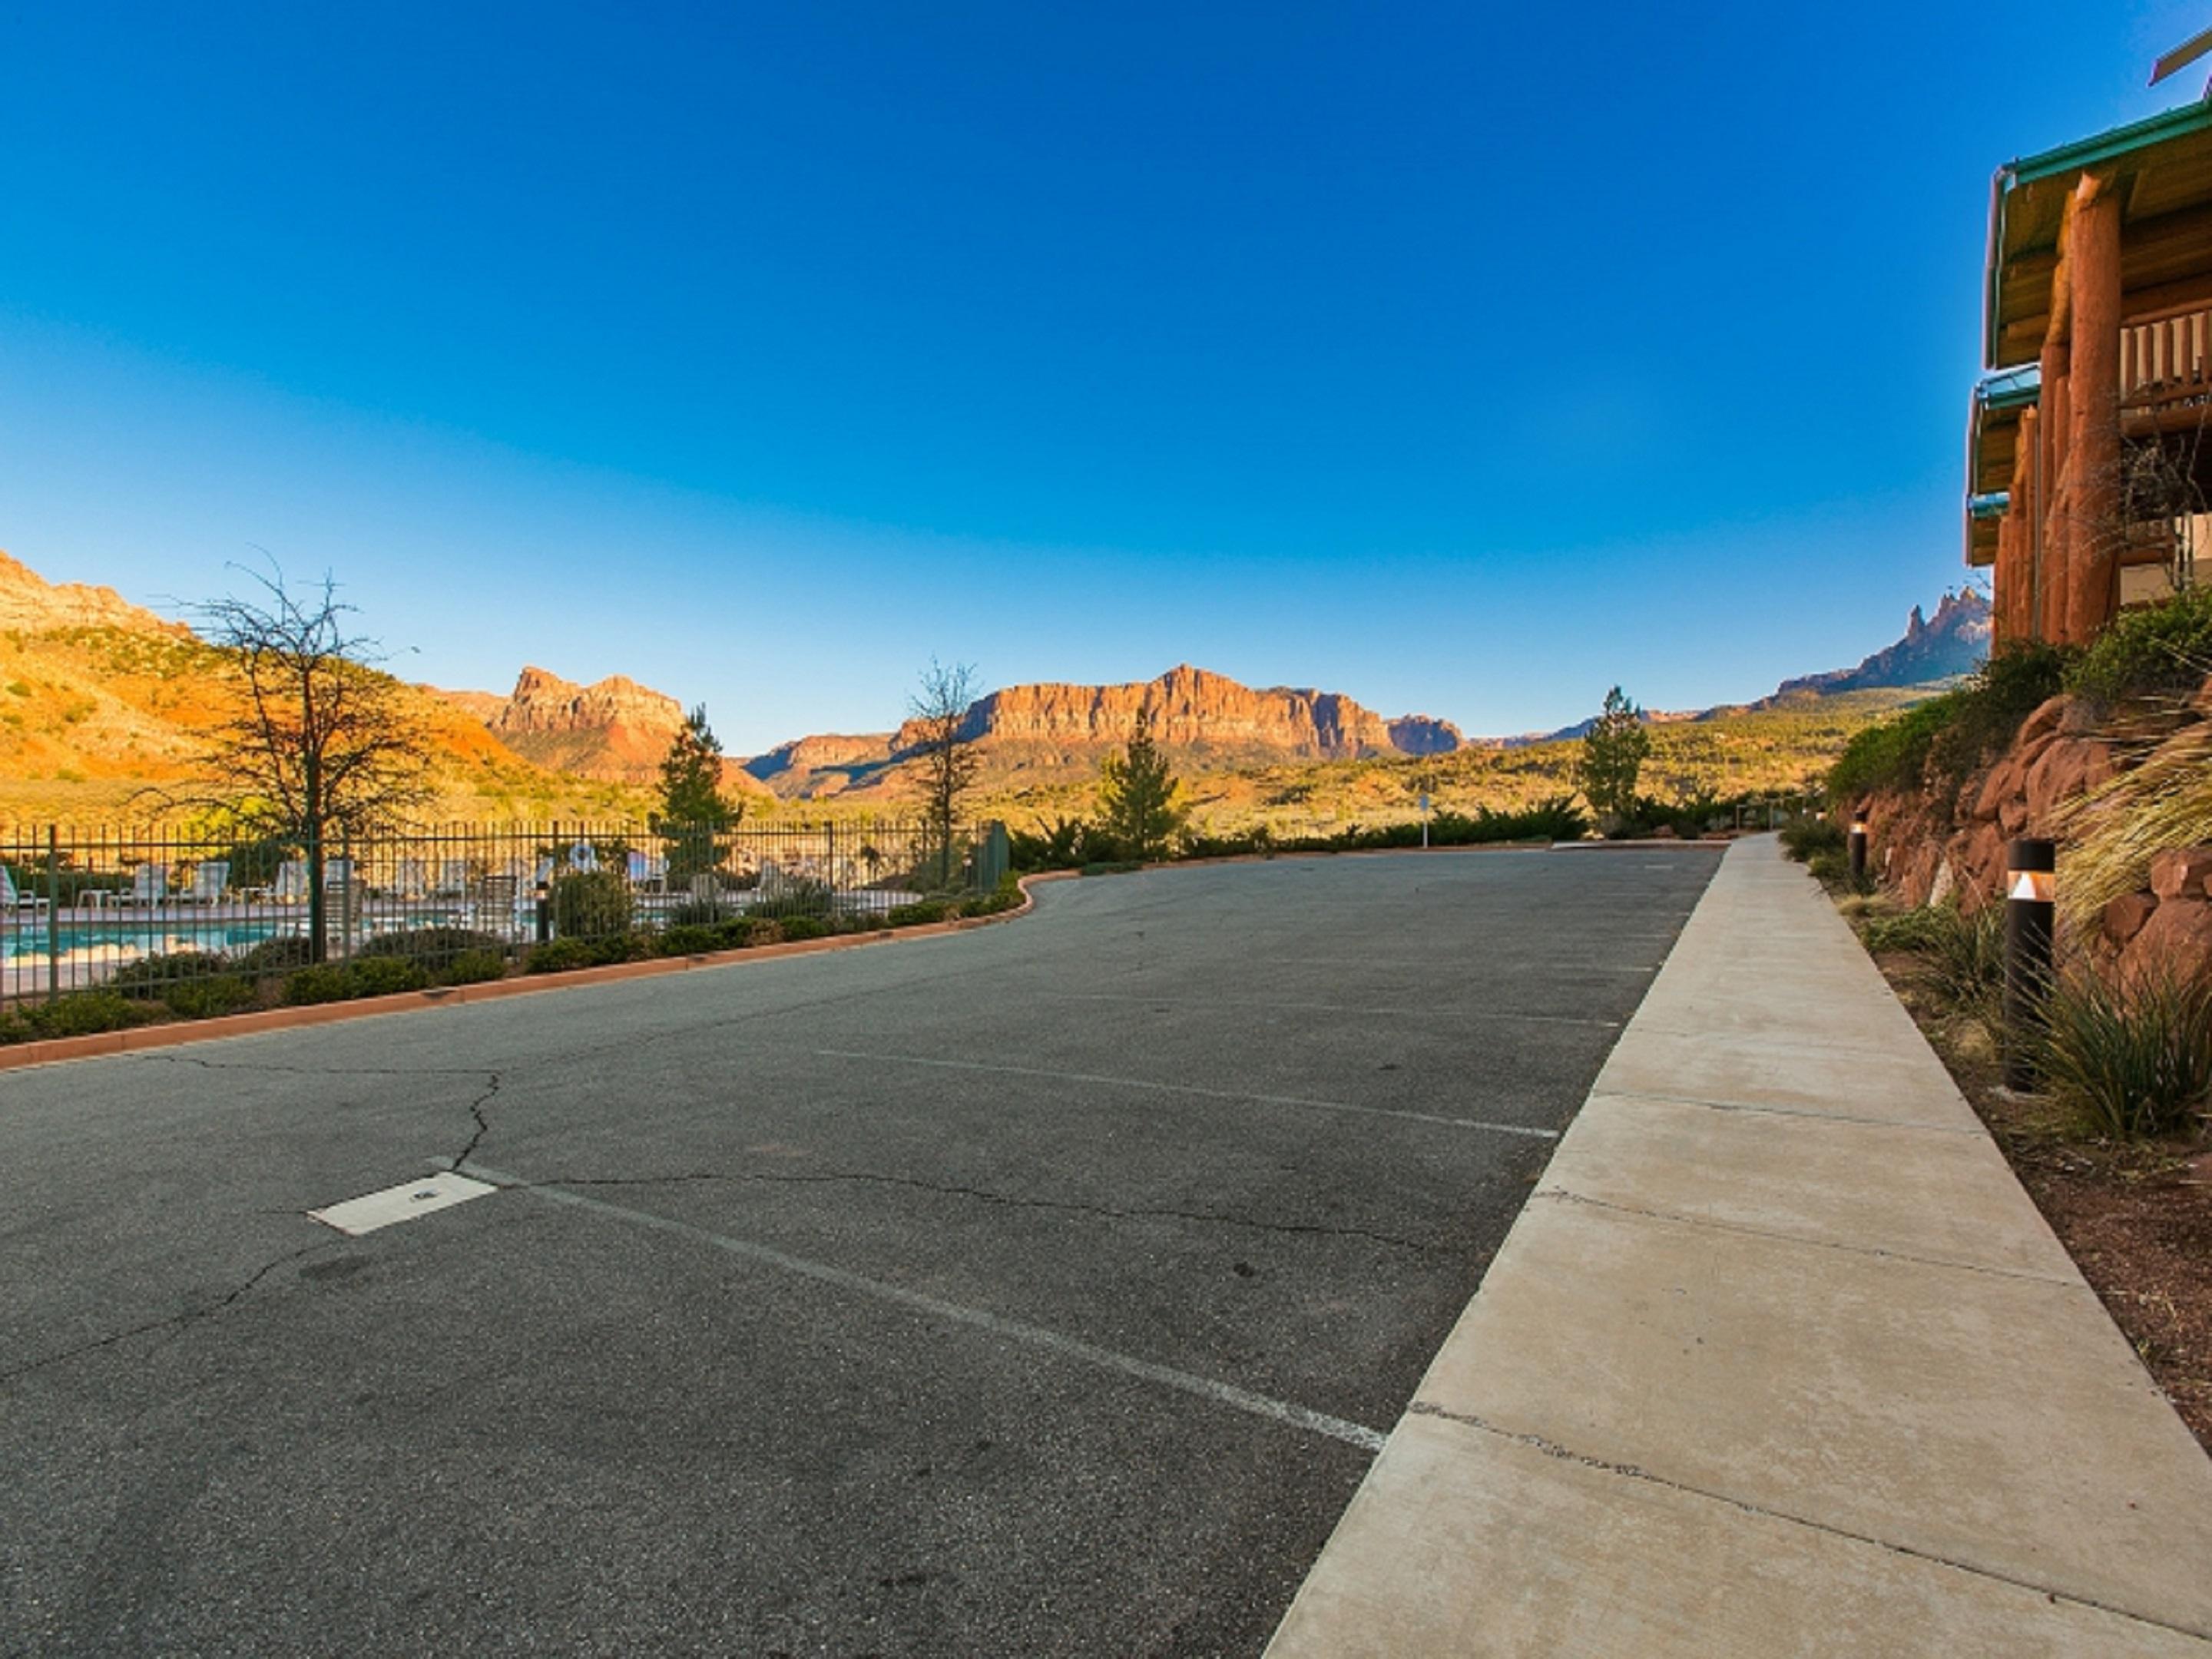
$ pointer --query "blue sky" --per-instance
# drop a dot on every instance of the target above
(1468, 359)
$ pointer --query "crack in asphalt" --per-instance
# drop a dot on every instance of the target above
(981, 1194)
(176, 1324)
(496, 1082)
(1552, 1448)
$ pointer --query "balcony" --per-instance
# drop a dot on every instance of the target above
(2166, 364)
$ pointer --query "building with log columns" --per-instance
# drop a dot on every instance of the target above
(2089, 445)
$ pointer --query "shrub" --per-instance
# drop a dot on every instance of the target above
(428, 946)
(322, 983)
(1059, 845)
(1833, 870)
(694, 939)
(918, 915)
(474, 968)
(1006, 896)
(700, 913)
(277, 955)
(150, 977)
(380, 976)
(80, 1013)
(2127, 1061)
(559, 955)
(799, 927)
(2160, 650)
(205, 999)
(1938, 743)
(1807, 836)
(590, 904)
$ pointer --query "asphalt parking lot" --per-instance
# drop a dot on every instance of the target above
(1040, 1289)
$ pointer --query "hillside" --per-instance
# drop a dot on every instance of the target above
(102, 701)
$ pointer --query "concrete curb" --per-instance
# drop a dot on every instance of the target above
(174, 1033)
(1779, 1358)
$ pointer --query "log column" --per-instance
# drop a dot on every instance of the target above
(2027, 508)
(2051, 506)
(2093, 410)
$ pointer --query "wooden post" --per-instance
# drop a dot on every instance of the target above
(2094, 414)
(2027, 503)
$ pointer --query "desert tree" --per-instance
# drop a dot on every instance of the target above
(1138, 793)
(944, 741)
(318, 742)
(695, 812)
(1613, 755)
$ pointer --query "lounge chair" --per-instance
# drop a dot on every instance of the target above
(291, 882)
(408, 881)
(149, 885)
(584, 856)
(13, 899)
(210, 880)
(453, 879)
(649, 874)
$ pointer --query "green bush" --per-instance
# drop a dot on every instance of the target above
(2128, 1062)
(1833, 870)
(2160, 650)
(1006, 896)
(150, 978)
(322, 983)
(1064, 844)
(80, 1013)
(919, 913)
(558, 955)
(590, 904)
(205, 999)
(278, 955)
(1807, 836)
(701, 913)
(474, 968)
(799, 927)
(1938, 743)
(430, 946)
(695, 939)
(382, 976)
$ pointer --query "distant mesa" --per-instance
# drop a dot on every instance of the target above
(614, 730)
(1205, 719)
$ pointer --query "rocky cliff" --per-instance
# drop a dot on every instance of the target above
(615, 730)
(1956, 641)
(32, 604)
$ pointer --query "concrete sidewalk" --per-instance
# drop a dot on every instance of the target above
(1779, 1359)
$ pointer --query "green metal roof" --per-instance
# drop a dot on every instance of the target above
(2092, 151)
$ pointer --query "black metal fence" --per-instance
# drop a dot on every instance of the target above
(143, 911)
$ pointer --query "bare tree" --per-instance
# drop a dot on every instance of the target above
(947, 748)
(321, 744)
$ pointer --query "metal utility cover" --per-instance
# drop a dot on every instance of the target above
(405, 1202)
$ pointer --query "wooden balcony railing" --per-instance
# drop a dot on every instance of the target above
(2165, 358)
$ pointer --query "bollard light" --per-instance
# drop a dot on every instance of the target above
(2031, 898)
(1856, 842)
(544, 913)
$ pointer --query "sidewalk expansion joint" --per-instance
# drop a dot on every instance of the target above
(1632, 1472)
(1561, 1194)
(1814, 1112)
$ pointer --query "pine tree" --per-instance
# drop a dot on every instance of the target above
(693, 807)
(1137, 795)
(1613, 754)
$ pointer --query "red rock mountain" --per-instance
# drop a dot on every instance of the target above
(31, 603)
(1205, 718)
(615, 729)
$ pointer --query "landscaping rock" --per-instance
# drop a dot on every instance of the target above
(2044, 721)
(2124, 916)
(2181, 872)
(2177, 939)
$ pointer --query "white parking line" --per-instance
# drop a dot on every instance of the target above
(1207, 1388)
(1192, 1088)
(1261, 1004)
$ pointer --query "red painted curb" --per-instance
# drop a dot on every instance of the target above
(51, 1050)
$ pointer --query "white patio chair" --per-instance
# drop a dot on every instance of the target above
(408, 881)
(453, 879)
(149, 885)
(291, 882)
(12, 898)
(210, 880)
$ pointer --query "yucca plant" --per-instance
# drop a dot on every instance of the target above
(1961, 952)
(2129, 1060)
